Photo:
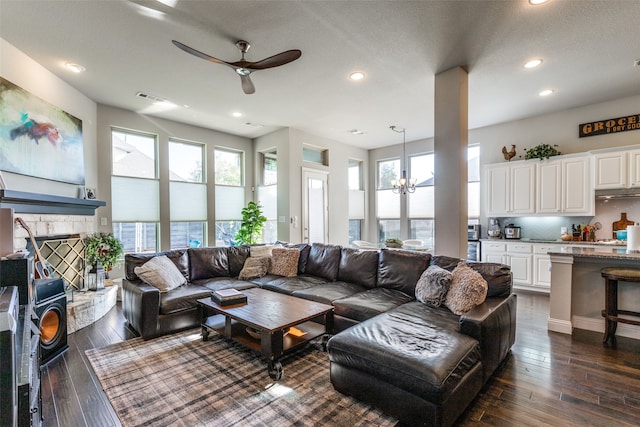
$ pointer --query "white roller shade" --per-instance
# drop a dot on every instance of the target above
(268, 198)
(135, 200)
(188, 201)
(356, 204)
(421, 203)
(473, 200)
(387, 204)
(229, 202)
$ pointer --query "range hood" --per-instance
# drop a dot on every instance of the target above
(617, 193)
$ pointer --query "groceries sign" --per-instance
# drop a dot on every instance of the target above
(620, 124)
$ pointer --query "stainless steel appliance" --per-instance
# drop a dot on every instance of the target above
(473, 232)
(511, 231)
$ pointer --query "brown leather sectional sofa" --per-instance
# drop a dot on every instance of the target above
(420, 364)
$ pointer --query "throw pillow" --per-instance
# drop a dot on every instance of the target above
(468, 289)
(161, 273)
(284, 262)
(254, 267)
(433, 285)
(262, 251)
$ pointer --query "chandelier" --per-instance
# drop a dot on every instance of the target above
(403, 185)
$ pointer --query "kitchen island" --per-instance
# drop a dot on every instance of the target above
(577, 294)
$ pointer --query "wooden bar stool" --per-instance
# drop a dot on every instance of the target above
(610, 313)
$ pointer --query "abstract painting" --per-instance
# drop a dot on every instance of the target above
(37, 138)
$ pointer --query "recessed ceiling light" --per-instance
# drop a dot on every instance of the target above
(76, 68)
(546, 92)
(536, 2)
(236, 114)
(533, 63)
(356, 132)
(358, 75)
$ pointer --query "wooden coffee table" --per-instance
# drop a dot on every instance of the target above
(270, 314)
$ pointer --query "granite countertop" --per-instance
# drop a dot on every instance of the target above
(605, 243)
(600, 252)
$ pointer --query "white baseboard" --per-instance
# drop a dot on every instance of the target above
(562, 326)
(597, 325)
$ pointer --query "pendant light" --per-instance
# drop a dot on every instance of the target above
(403, 185)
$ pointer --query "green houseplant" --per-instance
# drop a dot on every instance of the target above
(393, 242)
(542, 151)
(252, 223)
(103, 249)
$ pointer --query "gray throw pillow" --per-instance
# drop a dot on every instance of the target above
(433, 285)
(468, 289)
(160, 272)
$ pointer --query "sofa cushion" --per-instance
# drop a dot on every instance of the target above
(262, 250)
(414, 347)
(178, 257)
(400, 270)
(304, 255)
(498, 276)
(237, 256)
(358, 266)
(364, 305)
(288, 285)
(255, 267)
(160, 273)
(324, 261)
(218, 283)
(468, 289)
(182, 298)
(205, 263)
(433, 285)
(328, 292)
(284, 262)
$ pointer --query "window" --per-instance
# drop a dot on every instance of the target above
(229, 178)
(228, 167)
(135, 190)
(315, 155)
(421, 203)
(187, 195)
(269, 168)
(356, 199)
(473, 162)
(268, 195)
(387, 203)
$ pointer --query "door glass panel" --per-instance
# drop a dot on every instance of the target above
(316, 210)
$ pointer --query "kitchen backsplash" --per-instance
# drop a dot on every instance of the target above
(548, 227)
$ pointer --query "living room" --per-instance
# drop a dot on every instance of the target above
(557, 126)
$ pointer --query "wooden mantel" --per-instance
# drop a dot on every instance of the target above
(24, 202)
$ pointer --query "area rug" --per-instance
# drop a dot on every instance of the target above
(179, 380)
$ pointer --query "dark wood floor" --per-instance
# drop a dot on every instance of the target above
(549, 379)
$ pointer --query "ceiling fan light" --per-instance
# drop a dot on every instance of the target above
(243, 71)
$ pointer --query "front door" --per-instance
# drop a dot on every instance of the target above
(315, 210)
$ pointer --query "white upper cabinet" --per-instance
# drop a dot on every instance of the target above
(617, 169)
(558, 186)
(510, 188)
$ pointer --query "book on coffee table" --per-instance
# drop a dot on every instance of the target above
(228, 297)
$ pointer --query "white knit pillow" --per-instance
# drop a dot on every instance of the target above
(160, 272)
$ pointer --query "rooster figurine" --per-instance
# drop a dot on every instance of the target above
(508, 155)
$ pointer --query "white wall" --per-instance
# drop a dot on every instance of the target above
(289, 144)
(21, 70)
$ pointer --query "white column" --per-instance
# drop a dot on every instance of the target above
(450, 148)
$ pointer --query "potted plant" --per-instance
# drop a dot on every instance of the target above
(542, 151)
(252, 223)
(103, 249)
(394, 242)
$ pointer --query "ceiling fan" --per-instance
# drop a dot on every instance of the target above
(243, 67)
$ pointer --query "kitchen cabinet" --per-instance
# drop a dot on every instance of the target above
(542, 265)
(516, 255)
(617, 169)
(564, 186)
(510, 188)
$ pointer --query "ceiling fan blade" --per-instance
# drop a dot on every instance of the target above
(199, 54)
(247, 85)
(275, 60)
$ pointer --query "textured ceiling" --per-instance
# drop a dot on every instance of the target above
(588, 49)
